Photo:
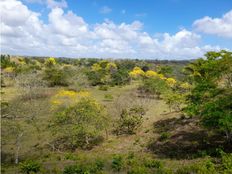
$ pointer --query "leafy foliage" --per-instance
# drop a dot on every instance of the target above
(80, 125)
(30, 167)
(211, 95)
(130, 120)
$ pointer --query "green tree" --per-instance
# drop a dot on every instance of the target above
(130, 120)
(56, 76)
(80, 125)
(211, 94)
(165, 70)
(154, 86)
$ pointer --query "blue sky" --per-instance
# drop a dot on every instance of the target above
(166, 29)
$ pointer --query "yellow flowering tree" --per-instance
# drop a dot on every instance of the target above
(151, 73)
(101, 72)
(56, 75)
(67, 98)
(9, 70)
(80, 122)
(136, 73)
(96, 67)
(171, 82)
(185, 86)
(50, 62)
(111, 67)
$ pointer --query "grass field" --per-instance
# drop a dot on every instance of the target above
(36, 135)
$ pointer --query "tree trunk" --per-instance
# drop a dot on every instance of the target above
(107, 135)
(17, 148)
(87, 140)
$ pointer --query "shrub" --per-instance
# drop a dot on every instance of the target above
(80, 124)
(75, 169)
(151, 163)
(84, 168)
(30, 166)
(130, 120)
(164, 136)
(227, 162)
(121, 77)
(56, 76)
(6, 62)
(154, 86)
(99, 164)
(103, 88)
(108, 97)
(117, 163)
(206, 167)
(71, 156)
(138, 170)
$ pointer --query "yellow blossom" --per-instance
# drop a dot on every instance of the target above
(68, 97)
(151, 73)
(185, 85)
(50, 61)
(136, 72)
(96, 67)
(111, 66)
(66, 93)
(9, 70)
(161, 76)
(171, 81)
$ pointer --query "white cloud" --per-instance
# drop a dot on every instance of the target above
(216, 26)
(67, 34)
(56, 4)
(50, 3)
(105, 10)
(67, 24)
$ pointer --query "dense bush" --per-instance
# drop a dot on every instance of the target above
(226, 161)
(130, 120)
(150, 163)
(80, 124)
(83, 169)
(6, 62)
(107, 73)
(117, 163)
(30, 167)
(154, 86)
(206, 167)
(120, 77)
(56, 76)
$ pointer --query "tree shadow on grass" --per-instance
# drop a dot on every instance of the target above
(184, 138)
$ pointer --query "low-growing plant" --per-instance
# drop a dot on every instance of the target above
(71, 156)
(164, 136)
(117, 163)
(151, 163)
(130, 120)
(138, 170)
(108, 97)
(103, 87)
(85, 168)
(227, 162)
(206, 167)
(30, 167)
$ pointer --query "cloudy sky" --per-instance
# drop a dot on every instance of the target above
(163, 29)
